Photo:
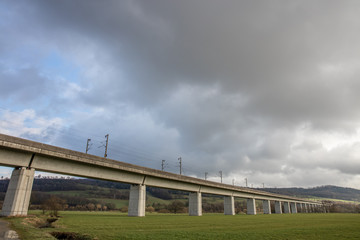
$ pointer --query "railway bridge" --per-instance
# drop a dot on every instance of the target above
(26, 156)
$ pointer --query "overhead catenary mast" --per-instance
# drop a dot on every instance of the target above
(162, 165)
(180, 165)
(106, 145)
(88, 145)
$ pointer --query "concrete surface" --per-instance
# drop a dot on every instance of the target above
(18, 194)
(293, 207)
(278, 208)
(137, 201)
(266, 207)
(251, 207)
(286, 207)
(195, 204)
(229, 205)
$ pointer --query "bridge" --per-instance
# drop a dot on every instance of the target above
(26, 156)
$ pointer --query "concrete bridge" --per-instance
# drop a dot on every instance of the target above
(27, 156)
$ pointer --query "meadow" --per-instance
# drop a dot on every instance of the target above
(115, 225)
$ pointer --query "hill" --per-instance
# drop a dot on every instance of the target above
(82, 194)
(328, 192)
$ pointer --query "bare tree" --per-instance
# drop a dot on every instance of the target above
(176, 206)
(54, 204)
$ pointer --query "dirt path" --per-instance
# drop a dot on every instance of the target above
(6, 233)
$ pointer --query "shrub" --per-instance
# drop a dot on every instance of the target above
(124, 209)
(150, 209)
(164, 210)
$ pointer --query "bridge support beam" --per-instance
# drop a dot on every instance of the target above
(137, 201)
(278, 208)
(229, 206)
(251, 206)
(286, 207)
(18, 194)
(195, 206)
(293, 207)
(266, 207)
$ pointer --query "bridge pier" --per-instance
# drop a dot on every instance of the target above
(266, 207)
(298, 207)
(251, 206)
(301, 207)
(293, 207)
(308, 207)
(278, 208)
(195, 206)
(137, 201)
(286, 207)
(324, 209)
(229, 206)
(18, 194)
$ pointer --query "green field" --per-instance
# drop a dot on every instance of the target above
(114, 225)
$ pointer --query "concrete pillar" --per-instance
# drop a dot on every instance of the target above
(305, 207)
(195, 207)
(299, 207)
(293, 207)
(266, 207)
(137, 201)
(286, 207)
(278, 208)
(229, 206)
(251, 207)
(18, 194)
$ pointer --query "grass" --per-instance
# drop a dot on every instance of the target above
(114, 225)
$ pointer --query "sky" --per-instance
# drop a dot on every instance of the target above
(266, 91)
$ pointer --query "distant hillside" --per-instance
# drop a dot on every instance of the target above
(329, 191)
(73, 189)
(115, 190)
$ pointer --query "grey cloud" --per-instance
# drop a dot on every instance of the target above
(245, 47)
(25, 85)
(234, 79)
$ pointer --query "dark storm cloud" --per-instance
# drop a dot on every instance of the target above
(269, 51)
(236, 80)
